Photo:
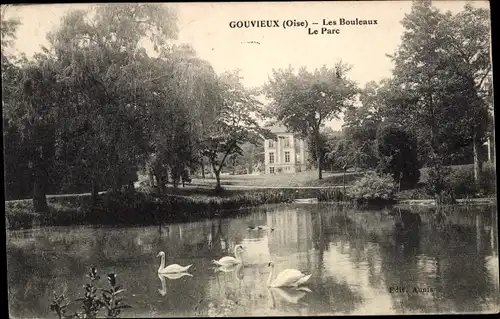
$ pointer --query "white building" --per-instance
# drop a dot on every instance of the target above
(286, 154)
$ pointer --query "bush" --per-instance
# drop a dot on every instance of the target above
(461, 182)
(95, 300)
(330, 194)
(373, 189)
(487, 185)
(438, 184)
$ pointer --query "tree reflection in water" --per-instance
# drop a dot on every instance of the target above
(354, 257)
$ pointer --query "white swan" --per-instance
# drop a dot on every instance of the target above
(228, 260)
(286, 278)
(170, 269)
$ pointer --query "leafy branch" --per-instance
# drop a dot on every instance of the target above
(92, 303)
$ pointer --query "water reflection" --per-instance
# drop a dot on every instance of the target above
(355, 258)
(164, 277)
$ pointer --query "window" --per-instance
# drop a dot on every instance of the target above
(271, 143)
(271, 170)
(287, 157)
(287, 141)
(271, 158)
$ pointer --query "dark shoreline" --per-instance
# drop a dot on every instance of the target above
(181, 205)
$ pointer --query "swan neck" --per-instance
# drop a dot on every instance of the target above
(237, 253)
(162, 263)
(270, 278)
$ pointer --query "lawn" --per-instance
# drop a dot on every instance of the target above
(302, 179)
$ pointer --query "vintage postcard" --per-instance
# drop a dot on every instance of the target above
(249, 159)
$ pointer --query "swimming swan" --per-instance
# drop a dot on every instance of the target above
(228, 261)
(170, 269)
(286, 278)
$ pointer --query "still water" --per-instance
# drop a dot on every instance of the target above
(357, 262)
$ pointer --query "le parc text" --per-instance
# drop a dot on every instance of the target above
(329, 25)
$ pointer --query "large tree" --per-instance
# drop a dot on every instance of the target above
(101, 58)
(303, 102)
(235, 123)
(437, 80)
(468, 50)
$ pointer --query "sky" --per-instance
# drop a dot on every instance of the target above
(256, 51)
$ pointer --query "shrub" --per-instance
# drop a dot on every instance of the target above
(330, 194)
(487, 185)
(415, 193)
(438, 184)
(92, 303)
(461, 182)
(373, 188)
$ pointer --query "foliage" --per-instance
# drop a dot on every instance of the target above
(304, 101)
(373, 188)
(438, 183)
(342, 153)
(327, 144)
(397, 153)
(437, 90)
(92, 303)
(362, 122)
(233, 125)
(331, 194)
(461, 182)
(94, 107)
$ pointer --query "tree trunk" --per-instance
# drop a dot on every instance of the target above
(343, 181)
(477, 161)
(39, 198)
(318, 156)
(161, 184)
(202, 169)
(151, 178)
(217, 179)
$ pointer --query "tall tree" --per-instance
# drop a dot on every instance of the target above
(101, 57)
(435, 88)
(468, 49)
(303, 102)
(234, 124)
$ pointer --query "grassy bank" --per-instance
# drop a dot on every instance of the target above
(191, 203)
(307, 178)
(138, 208)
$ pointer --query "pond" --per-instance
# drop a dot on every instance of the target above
(358, 260)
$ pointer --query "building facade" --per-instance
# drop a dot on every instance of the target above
(286, 154)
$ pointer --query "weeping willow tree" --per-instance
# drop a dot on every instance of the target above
(100, 59)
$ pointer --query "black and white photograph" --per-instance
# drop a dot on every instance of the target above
(249, 159)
